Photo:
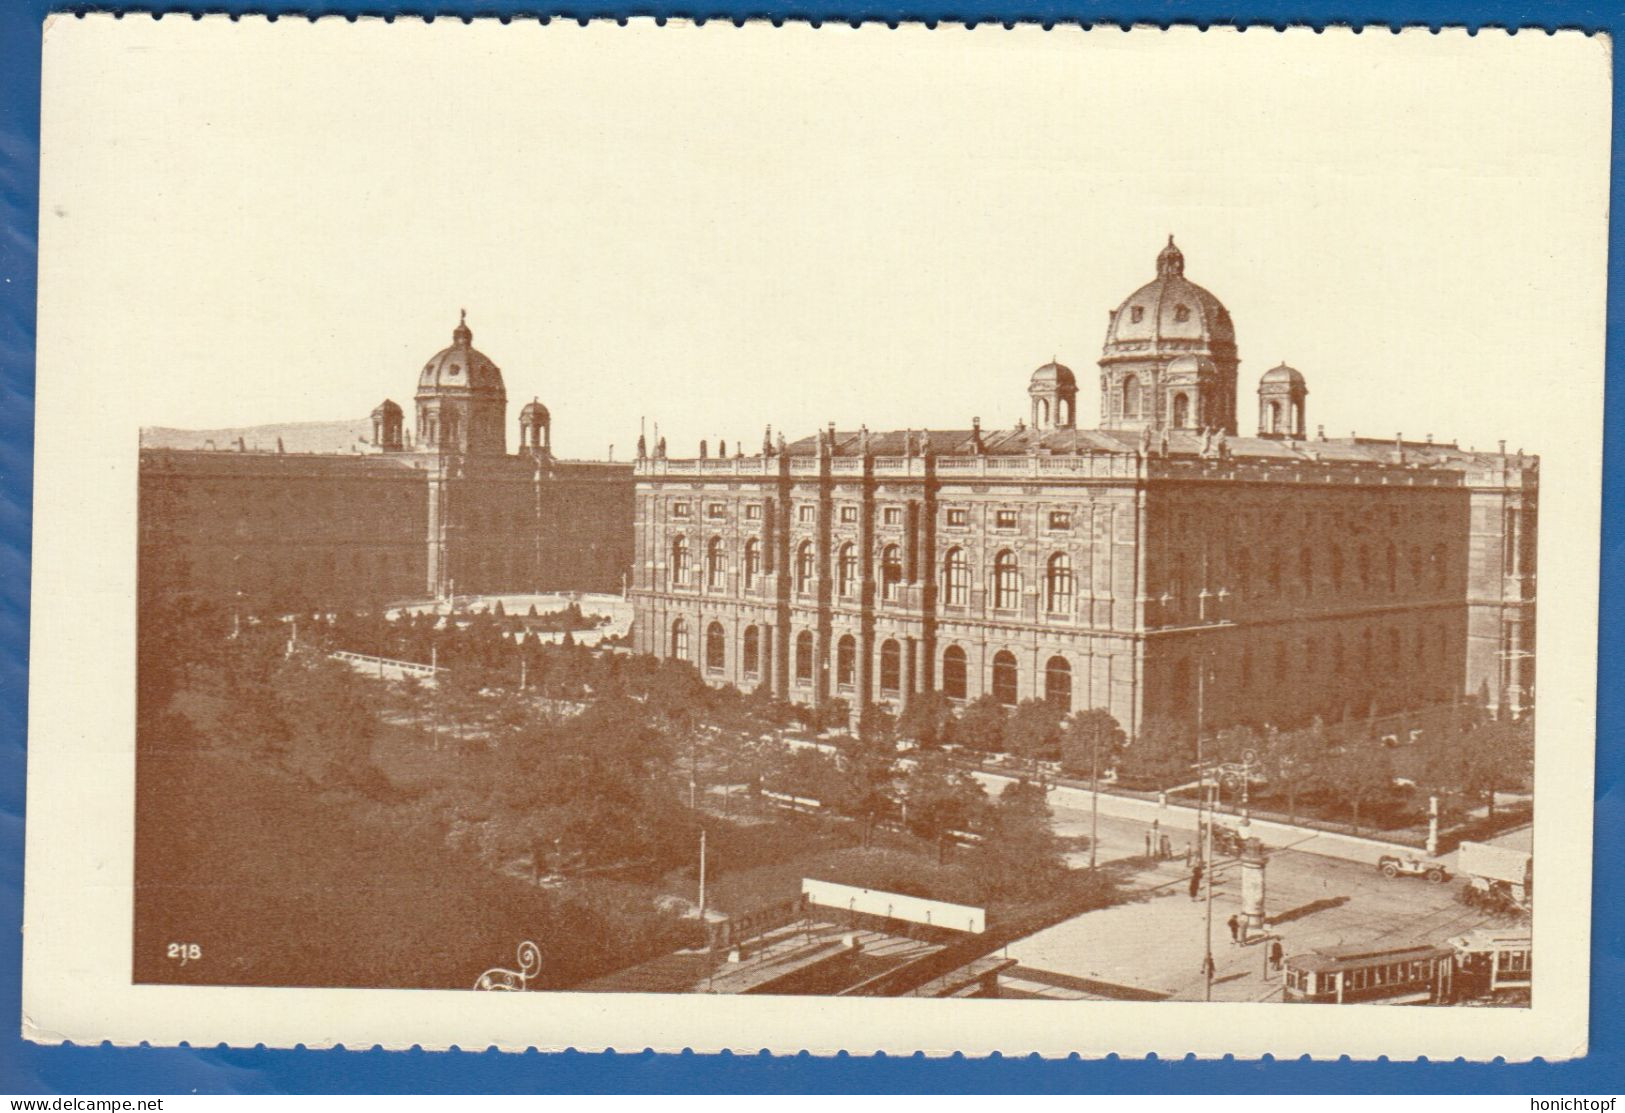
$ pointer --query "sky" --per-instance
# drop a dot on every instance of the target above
(719, 228)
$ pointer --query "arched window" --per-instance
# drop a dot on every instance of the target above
(1275, 571)
(891, 571)
(753, 562)
(1311, 655)
(1416, 565)
(804, 657)
(1337, 653)
(1275, 418)
(956, 579)
(1004, 677)
(1131, 396)
(1440, 571)
(953, 672)
(716, 648)
(1392, 564)
(715, 565)
(1337, 568)
(1058, 683)
(1363, 563)
(846, 661)
(752, 651)
(1058, 583)
(846, 569)
(1395, 646)
(679, 561)
(1244, 573)
(1006, 581)
(1182, 410)
(891, 666)
(1306, 569)
(1280, 662)
(679, 640)
(1365, 650)
(804, 567)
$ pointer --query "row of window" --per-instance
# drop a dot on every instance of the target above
(756, 661)
(890, 515)
(1363, 648)
(956, 570)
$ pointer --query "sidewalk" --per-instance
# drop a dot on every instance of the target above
(1176, 816)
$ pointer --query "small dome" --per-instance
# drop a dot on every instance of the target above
(461, 368)
(1281, 373)
(1054, 374)
(387, 408)
(534, 413)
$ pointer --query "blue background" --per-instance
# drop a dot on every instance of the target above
(28, 1068)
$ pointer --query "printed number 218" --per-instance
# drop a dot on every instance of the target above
(185, 952)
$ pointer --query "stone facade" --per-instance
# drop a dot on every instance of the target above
(1144, 569)
(449, 512)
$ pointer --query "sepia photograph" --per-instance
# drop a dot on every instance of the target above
(1036, 524)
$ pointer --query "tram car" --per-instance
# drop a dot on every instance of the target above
(1493, 965)
(1411, 975)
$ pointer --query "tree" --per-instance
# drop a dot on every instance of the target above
(982, 725)
(940, 798)
(1162, 755)
(868, 767)
(1359, 771)
(1033, 732)
(1292, 760)
(1020, 856)
(927, 721)
(1091, 742)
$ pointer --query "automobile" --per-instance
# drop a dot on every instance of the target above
(1394, 865)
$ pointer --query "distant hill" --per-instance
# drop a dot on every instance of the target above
(297, 436)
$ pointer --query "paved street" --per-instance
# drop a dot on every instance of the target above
(1154, 942)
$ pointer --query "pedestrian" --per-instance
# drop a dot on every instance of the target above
(1275, 954)
(1196, 880)
(1148, 844)
(1187, 854)
(1207, 967)
(1167, 848)
(1235, 930)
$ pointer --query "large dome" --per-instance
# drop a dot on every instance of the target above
(461, 368)
(1170, 313)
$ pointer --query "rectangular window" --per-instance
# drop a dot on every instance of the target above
(679, 510)
(1004, 519)
(807, 513)
(753, 512)
(893, 516)
(958, 516)
(716, 510)
(849, 513)
(1060, 519)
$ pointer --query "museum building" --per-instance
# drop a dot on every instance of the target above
(1146, 566)
(447, 511)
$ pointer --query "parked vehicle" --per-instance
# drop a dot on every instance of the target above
(1394, 865)
(1500, 878)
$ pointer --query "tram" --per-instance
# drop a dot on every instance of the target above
(1412, 975)
(1493, 964)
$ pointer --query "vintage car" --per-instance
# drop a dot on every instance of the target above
(1394, 865)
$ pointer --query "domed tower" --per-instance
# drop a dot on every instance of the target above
(387, 421)
(1170, 356)
(535, 428)
(1054, 391)
(462, 405)
(1281, 396)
